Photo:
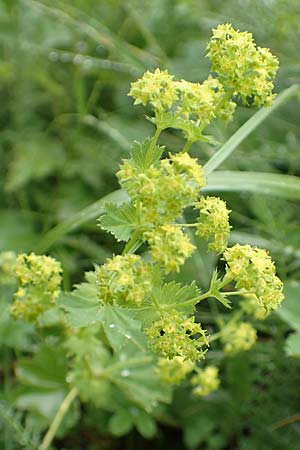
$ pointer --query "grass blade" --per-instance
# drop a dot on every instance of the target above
(234, 141)
(91, 212)
(283, 186)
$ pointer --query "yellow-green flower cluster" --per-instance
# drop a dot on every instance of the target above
(156, 88)
(243, 68)
(179, 104)
(163, 190)
(173, 371)
(252, 269)
(250, 305)
(169, 246)
(203, 102)
(238, 337)
(124, 280)
(205, 381)
(213, 223)
(39, 280)
(173, 335)
(7, 267)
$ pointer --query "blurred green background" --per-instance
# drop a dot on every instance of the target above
(66, 121)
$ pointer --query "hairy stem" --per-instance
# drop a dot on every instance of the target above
(63, 409)
(187, 146)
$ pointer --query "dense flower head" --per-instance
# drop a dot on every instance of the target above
(205, 381)
(39, 280)
(242, 67)
(252, 269)
(213, 223)
(238, 337)
(173, 371)
(183, 104)
(163, 190)
(124, 280)
(173, 335)
(203, 102)
(169, 246)
(250, 306)
(156, 88)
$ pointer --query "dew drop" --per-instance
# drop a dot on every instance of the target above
(125, 373)
(78, 59)
(81, 46)
(53, 56)
(111, 325)
(128, 336)
(69, 379)
(65, 57)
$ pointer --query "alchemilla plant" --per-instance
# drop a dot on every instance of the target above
(129, 332)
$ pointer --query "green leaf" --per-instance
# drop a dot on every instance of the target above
(292, 345)
(81, 311)
(32, 162)
(145, 425)
(17, 231)
(120, 328)
(138, 382)
(44, 386)
(284, 186)
(142, 157)
(197, 429)
(82, 305)
(290, 307)
(244, 131)
(119, 220)
(120, 423)
(168, 296)
(171, 294)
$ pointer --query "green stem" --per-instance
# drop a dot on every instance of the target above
(238, 293)
(187, 146)
(192, 301)
(185, 225)
(133, 244)
(63, 409)
(215, 336)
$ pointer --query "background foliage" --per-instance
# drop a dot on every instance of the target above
(66, 121)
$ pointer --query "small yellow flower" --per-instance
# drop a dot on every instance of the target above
(238, 337)
(213, 223)
(205, 381)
